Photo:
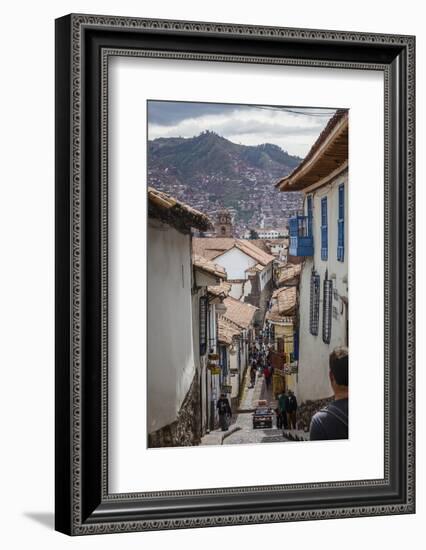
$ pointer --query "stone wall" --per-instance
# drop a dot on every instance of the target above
(186, 429)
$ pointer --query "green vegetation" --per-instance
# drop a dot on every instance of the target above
(210, 153)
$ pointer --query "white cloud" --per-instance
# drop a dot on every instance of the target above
(294, 132)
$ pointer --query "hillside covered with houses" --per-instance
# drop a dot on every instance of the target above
(209, 173)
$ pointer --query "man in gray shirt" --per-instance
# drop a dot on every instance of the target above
(332, 421)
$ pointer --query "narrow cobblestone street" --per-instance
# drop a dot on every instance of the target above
(244, 419)
(241, 427)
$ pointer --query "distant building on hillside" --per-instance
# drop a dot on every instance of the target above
(267, 233)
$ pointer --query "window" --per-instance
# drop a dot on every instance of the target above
(301, 244)
(203, 324)
(327, 309)
(223, 362)
(310, 215)
(341, 225)
(314, 303)
(324, 229)
(296, 345)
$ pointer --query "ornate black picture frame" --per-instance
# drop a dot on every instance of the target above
(83, 45)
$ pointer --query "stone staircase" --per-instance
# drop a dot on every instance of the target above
(296, 435)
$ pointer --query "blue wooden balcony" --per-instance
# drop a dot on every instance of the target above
(301, 239)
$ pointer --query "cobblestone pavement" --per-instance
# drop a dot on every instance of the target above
(241, 427)
(251, 396)
(244, 419)
(247, 434)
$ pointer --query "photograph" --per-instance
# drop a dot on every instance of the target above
(247, 274)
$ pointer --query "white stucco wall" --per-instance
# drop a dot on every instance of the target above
(235, 262)
(246, 289)
(237, 290)
(170, 368)
(313, 382)
(265, 276)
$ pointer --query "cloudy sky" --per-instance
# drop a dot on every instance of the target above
(294, 129)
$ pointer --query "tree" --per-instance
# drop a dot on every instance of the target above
(253, 234)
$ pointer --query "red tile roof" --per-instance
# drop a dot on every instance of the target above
(221, 290)
(238, 312)
(212, 247)
(289, 273)
(208, 266)
(227, 331)
(176, 213)
(286, 299)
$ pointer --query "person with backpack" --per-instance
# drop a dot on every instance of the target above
(331, 422)
(224, 410)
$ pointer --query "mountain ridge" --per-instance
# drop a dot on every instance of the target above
(209, 151)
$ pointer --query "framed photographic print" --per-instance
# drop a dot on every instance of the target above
(223, 193)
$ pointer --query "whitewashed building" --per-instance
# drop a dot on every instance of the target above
(236, 333)
(267, 233)
(173, 380)
(279, 249)
(249, 269)
(208, 293)
(320, 236)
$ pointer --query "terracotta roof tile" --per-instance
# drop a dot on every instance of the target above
(211, 247)
(286, 300)
(227, 331)
(273, 314)
(254, 252)
(289, 273)
(262, 244)
(238, 312)
(208, 266)
(221, 290)
(176, 213)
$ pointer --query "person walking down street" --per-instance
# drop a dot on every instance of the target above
(282, 407)
(267, 373)
(292, 410)
(225, 412)
(253, 371)
(332, 421)
(253, 354)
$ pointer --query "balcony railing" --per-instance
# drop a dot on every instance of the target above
(301, 239)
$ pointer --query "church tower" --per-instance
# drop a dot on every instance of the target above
(223, 224)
